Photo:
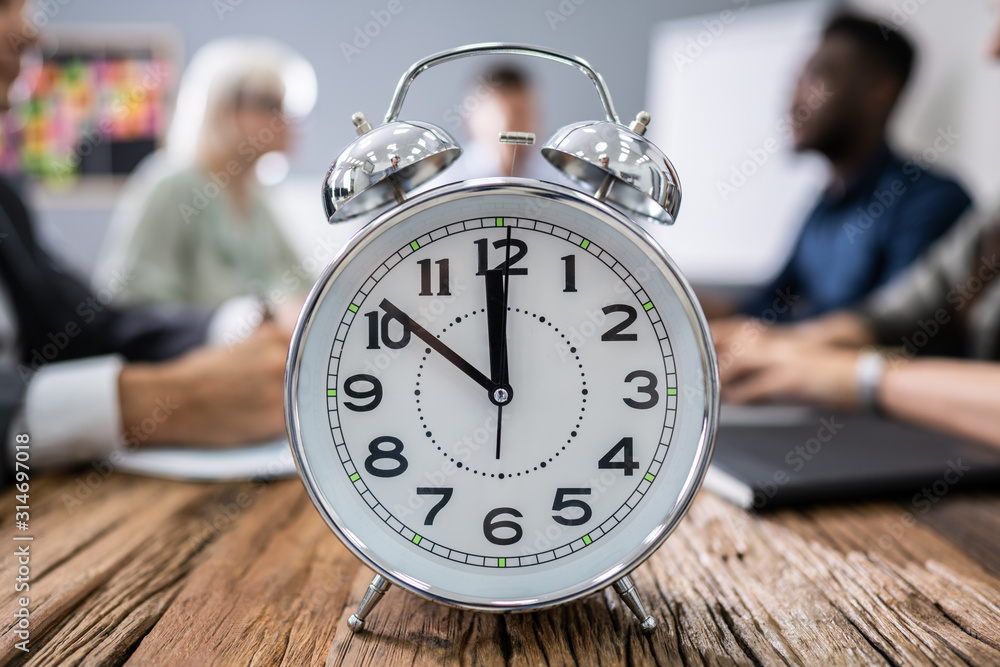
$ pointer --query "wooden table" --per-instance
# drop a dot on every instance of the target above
(142, 571)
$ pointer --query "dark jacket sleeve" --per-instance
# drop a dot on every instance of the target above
(922, 310)
(923, 217)
(59, 319)
(762, 302)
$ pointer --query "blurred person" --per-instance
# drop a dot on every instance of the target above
(947, 303)
(193, 226)
(503, 99)
(84, 380)
(878, 212)
(392, 168)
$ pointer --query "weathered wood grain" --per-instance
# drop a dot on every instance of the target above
(269, 591)
(972, 525)
(69, 564)
(152, 572)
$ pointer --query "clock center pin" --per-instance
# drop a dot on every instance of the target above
(502, 395)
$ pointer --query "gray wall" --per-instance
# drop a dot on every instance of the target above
(613, 36)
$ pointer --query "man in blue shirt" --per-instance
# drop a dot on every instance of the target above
(879, 212)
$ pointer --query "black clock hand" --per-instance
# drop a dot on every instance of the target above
(496, 311)
(498, 336)
(435, 343)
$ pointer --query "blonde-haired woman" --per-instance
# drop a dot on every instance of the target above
(192, 225)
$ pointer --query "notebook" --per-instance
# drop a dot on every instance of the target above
(778, 456)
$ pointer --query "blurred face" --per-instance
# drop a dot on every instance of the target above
(834, 97)
(260, 122)
(17, 36)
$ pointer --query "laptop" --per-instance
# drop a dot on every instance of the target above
(770, 457)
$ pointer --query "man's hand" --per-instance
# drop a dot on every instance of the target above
(214, 395)
(727, 331)
(811, 362)
(783, 368)
(844, 328)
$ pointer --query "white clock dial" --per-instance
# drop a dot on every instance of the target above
(506, 396)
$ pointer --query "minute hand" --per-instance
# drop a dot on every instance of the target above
(436, 344)
(496, 319)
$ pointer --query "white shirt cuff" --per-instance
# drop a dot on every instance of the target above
(235, 320)
(72, 411)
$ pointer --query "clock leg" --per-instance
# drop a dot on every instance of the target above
(373, 595)
(626, 589)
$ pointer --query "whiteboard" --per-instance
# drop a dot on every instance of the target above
(718, 90)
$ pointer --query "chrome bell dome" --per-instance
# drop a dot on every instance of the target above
(619, 165)
(384, 164)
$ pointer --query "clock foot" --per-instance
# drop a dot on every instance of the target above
(626, 589)
(373, 595)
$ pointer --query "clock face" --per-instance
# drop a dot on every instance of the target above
(500, 395)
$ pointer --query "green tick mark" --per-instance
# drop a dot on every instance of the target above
(416, 539)
(650, 477)
(331, 392)
(355, 477)
(414, 245)
(503, 562)
(585, 244)
(648, 305)
(586, 539)
(672, 391)
(352, 308)
(499, 222)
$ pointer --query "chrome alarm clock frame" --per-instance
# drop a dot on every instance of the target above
(617, 163)
(616, 575)
(385, 164)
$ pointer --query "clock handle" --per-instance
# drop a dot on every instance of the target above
(372, 597)
(499, 48)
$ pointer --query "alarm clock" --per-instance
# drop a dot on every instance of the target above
(502, 394)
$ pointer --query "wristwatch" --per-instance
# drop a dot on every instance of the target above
(868, 372)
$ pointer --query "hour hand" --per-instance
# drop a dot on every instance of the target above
(435, 343)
